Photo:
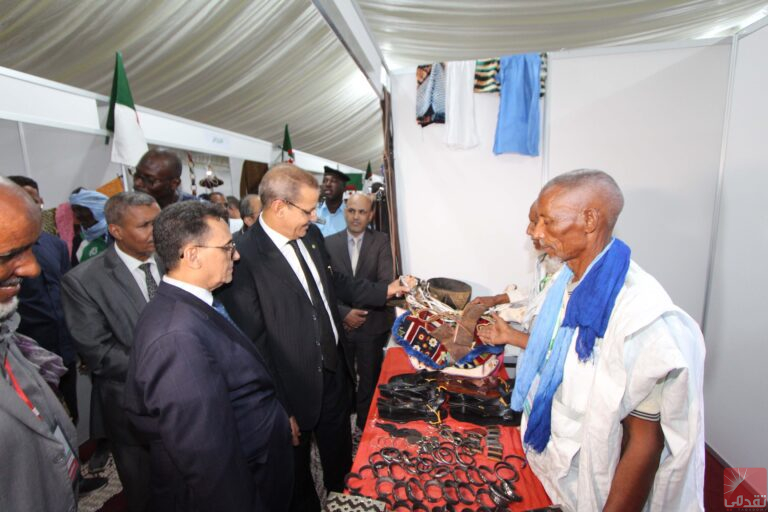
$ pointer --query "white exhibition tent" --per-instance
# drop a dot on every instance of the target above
(668, 96)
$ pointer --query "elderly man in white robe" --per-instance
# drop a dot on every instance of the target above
(610, 383)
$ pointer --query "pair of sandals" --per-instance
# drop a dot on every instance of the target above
(428, 396)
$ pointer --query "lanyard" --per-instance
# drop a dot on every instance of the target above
(20, 391)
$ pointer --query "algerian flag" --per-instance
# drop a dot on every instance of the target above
(287, 146)
(129, 144)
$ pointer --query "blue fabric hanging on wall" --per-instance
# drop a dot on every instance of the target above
(517, 128)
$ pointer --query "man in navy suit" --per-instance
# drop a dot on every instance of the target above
(197, 388)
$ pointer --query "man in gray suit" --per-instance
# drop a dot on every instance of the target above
(364, 254)
(38, 442)
(102, 299)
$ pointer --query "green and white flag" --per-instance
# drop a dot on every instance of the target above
(128, 142)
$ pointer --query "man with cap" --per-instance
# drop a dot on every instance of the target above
(330, 213)
(158, 174)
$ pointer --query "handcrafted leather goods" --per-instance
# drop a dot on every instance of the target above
(483, 411)
(415, 333)
(401, 401)
(338, 502)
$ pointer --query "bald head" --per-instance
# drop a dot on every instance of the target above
(593, 189)
(20, 218)
(358, 213)
(13, 197)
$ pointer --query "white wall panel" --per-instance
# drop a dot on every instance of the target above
(462, 213)
(736, 323)
(653, 120)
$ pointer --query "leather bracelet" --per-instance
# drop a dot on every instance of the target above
(450, 500)
(384, 480)
(442, 472)
(462, 497)
(518, 457)
(390, 454)
(487, 474)
(464, 459)
(352, 476)
(479, 482)
(489, 502)
(397, 505)
(501, 466)
(409, 487)
(432, 484)
(365, 468)
(399, 485)
(378, 465)
(392, 475)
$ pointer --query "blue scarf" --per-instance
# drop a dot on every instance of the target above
(95, 202)
(589, 310)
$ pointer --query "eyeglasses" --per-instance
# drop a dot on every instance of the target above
(308, 213)
(148, 179)
(231, 247)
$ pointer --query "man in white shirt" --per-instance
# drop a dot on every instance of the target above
(284, 296)
(611, 380)
(102, 300)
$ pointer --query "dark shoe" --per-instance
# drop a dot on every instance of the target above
(98, 461)
(88, 485)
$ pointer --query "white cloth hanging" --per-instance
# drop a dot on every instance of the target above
(460, 128)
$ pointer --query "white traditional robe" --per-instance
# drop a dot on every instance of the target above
(648, 339)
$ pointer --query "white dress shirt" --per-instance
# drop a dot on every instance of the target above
(133, 265)
(201, 293)
(282, 244)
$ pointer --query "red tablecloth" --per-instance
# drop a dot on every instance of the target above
(373, 439)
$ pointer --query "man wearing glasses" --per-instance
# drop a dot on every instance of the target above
(284, 296)
(102, 299)
(197, 386)
(158, 174)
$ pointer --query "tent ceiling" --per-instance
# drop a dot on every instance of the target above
(253, 66)
(248, 67)
(412, 32)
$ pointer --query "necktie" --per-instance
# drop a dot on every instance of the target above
(354, 253)
(151, 284)
(220, 309)
(323, 329)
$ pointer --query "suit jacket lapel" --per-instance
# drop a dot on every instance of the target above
(314, 251)
(211, 314)
(344, 251)
(364, 251)
(123, 277)
(275, 261)
(17, 409)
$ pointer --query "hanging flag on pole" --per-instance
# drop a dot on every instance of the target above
(128, 142)
(287, 147)
(368, 171)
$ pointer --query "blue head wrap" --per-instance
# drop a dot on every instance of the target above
(95, 202)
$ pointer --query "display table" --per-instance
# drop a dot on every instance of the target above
(374, 439)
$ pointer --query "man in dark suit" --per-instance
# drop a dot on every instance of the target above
(102, 300)
(284, 296)
(365, 254)
(197, 386)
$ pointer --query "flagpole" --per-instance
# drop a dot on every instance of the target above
(125, 177)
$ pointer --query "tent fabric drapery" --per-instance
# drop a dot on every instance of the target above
(248, 67)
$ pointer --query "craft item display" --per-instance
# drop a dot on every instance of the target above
(432, 396)
(445, 468)
(440, 336)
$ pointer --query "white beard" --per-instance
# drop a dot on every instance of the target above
(8, 308)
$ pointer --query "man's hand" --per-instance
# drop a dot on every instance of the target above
(400, 286)
(355, 319)
(295, 433)
(500, 333)
(491, 300)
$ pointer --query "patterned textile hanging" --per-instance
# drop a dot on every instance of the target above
(485, 75)
(430, 94)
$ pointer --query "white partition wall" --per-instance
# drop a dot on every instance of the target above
(736, 327)
(653, 119)
(462, 213)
